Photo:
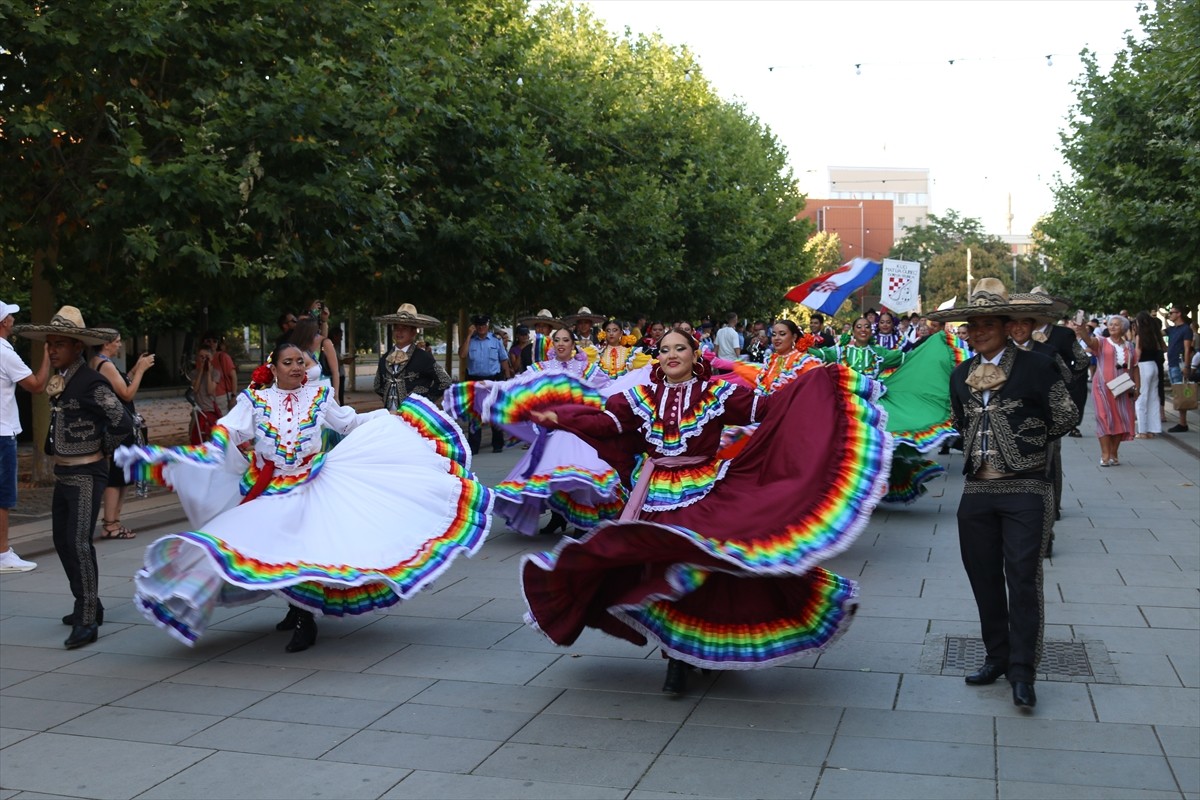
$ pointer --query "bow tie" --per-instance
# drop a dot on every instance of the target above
(985, 377)
(397, 357)
(1038, 336)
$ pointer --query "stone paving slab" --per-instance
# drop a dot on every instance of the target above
(473, 723)
(421, 785)
(1118, 770)
(270, 737)
(84, 767)
(708, 777)
(592, 767)
(449, 695)
(258, 777)
(851, 784)
(413, 751)
(139, 724)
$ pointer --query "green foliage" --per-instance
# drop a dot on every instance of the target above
(216, 161)
(941, 248)
(1124, 229)
(939, 235)
(824, 250)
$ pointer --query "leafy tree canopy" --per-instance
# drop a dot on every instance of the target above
(243, 156)
(1124, 232)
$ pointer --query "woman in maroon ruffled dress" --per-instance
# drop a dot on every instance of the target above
(715, 559)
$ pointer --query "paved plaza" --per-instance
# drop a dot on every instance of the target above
(451, 696)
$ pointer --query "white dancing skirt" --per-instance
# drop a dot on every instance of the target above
(381, 519)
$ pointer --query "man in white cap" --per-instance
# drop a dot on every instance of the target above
(87, 421)
(13, 373)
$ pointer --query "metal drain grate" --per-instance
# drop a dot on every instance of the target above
(1080, 661)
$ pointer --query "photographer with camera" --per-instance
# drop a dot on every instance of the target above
(204, 391)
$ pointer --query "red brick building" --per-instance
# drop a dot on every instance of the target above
(864, 227)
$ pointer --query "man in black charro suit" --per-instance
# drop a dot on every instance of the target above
(1009, 405)
(87, 422)
(407, 369)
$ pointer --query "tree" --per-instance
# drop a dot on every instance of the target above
(941, 248)
(243, 157)
(1124, 232)
(165, 156)
(824, 250)
(682, 202)
(939, 235)
(945, 276)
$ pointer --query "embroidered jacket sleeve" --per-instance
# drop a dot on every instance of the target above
(118, 423)
(1011, 432)
(1080, 359)
(380, 377)
(442, 381)
(1064, 414)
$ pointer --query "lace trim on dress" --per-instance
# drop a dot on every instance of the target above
(692, 418)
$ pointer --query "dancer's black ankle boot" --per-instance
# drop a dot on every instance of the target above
(306, 632)
(676, 682)
(557, 523)
(288, 622)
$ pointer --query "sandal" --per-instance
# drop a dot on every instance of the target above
(113, 529)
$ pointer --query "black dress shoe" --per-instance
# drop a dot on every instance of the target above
(81, 635)
(676, 682)
(69, 619)
(306, 632)
(1023, 694)
(289, 622)
(987, 674)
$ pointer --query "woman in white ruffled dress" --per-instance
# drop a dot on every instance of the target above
(347, 531)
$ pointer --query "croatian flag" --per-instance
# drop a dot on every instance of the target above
(826, 293)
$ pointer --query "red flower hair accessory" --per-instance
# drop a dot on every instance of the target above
(261, 377)
(805, 342)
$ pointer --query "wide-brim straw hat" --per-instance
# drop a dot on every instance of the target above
(543, 317)
(990, 299)
(1060, 304)
(583, 313)
(1037, 307)
(67, 322)
(407, 314)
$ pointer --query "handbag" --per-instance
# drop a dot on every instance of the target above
(1183, 396)
(1120, 384)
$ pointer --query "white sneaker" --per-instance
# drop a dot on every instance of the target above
(11, 562)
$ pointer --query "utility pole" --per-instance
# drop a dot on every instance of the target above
(969, 278)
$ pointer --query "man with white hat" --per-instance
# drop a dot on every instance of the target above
(1008, 404)
(13, 373)
(87, 421)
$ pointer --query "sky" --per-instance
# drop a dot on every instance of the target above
(985, 126)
